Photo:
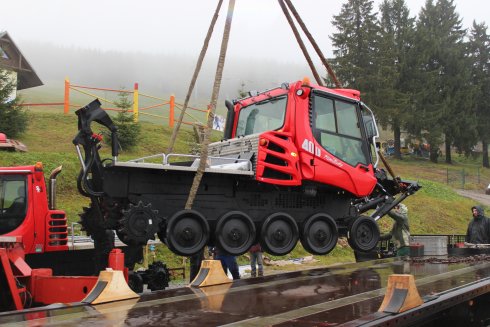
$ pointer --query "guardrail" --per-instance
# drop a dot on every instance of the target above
(161, 103)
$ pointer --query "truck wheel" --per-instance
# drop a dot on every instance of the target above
(319, 234)
(235, 233)
(187, 232)
(363, 234)
(279, 234)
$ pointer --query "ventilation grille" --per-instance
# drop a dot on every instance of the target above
(275, 160)
(276, 148)
(57, 230)
(274, 174)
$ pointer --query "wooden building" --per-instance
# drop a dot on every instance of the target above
(12, 60)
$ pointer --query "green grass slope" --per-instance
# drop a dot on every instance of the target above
(49, 140)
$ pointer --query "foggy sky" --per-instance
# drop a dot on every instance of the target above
(259, 28)
(114, 43)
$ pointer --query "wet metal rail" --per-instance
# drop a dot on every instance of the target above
(347, 294)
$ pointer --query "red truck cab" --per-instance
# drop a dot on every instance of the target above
(25, 213)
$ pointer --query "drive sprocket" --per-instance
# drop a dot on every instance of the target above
(97, 218)
(157, 276)
(139, 223)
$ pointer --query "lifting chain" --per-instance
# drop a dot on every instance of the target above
(469, 259)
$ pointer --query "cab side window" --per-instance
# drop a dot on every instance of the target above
(13, 202)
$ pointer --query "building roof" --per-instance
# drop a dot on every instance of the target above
(12, 59)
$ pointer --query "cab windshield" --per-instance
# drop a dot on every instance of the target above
(336, 127)
(262, 116)
(13, 203)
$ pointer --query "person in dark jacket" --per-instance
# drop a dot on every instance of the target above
(478, 228)
(400, 233)
(228, 262)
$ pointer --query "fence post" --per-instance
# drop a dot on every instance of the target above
(478, 174)
(462, 178)
(447, 176)
(208, 111)
(67, 96)
(171, 112)
(135, 103)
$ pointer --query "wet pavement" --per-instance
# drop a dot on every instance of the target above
(314, 297)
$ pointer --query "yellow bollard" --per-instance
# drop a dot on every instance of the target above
(135, 103)
(67, 96)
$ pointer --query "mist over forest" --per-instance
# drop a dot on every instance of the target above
(157, 74)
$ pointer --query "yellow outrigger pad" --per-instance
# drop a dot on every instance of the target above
(211, 273)
(111, 286)
(401, 294)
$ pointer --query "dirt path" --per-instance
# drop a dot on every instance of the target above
(476, 195)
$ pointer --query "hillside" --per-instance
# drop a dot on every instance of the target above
(435, 209)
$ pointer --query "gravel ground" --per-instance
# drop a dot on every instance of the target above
(479, 196)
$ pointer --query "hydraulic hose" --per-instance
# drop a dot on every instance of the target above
(82, 182)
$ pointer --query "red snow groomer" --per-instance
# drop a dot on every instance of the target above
(296, 162)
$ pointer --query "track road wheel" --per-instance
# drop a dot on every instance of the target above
(319, 234)
(235, 233)
(138, 224)
(279, 234)
(187, 232)
(363, 234)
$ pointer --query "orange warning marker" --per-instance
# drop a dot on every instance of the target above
(401, 294)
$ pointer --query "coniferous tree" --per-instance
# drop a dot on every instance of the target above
(13, 119)
(128, 131)
(479, 55)
(423, 105)
(355, 46)
(439, 81)
(392, 98)
(459, 113)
